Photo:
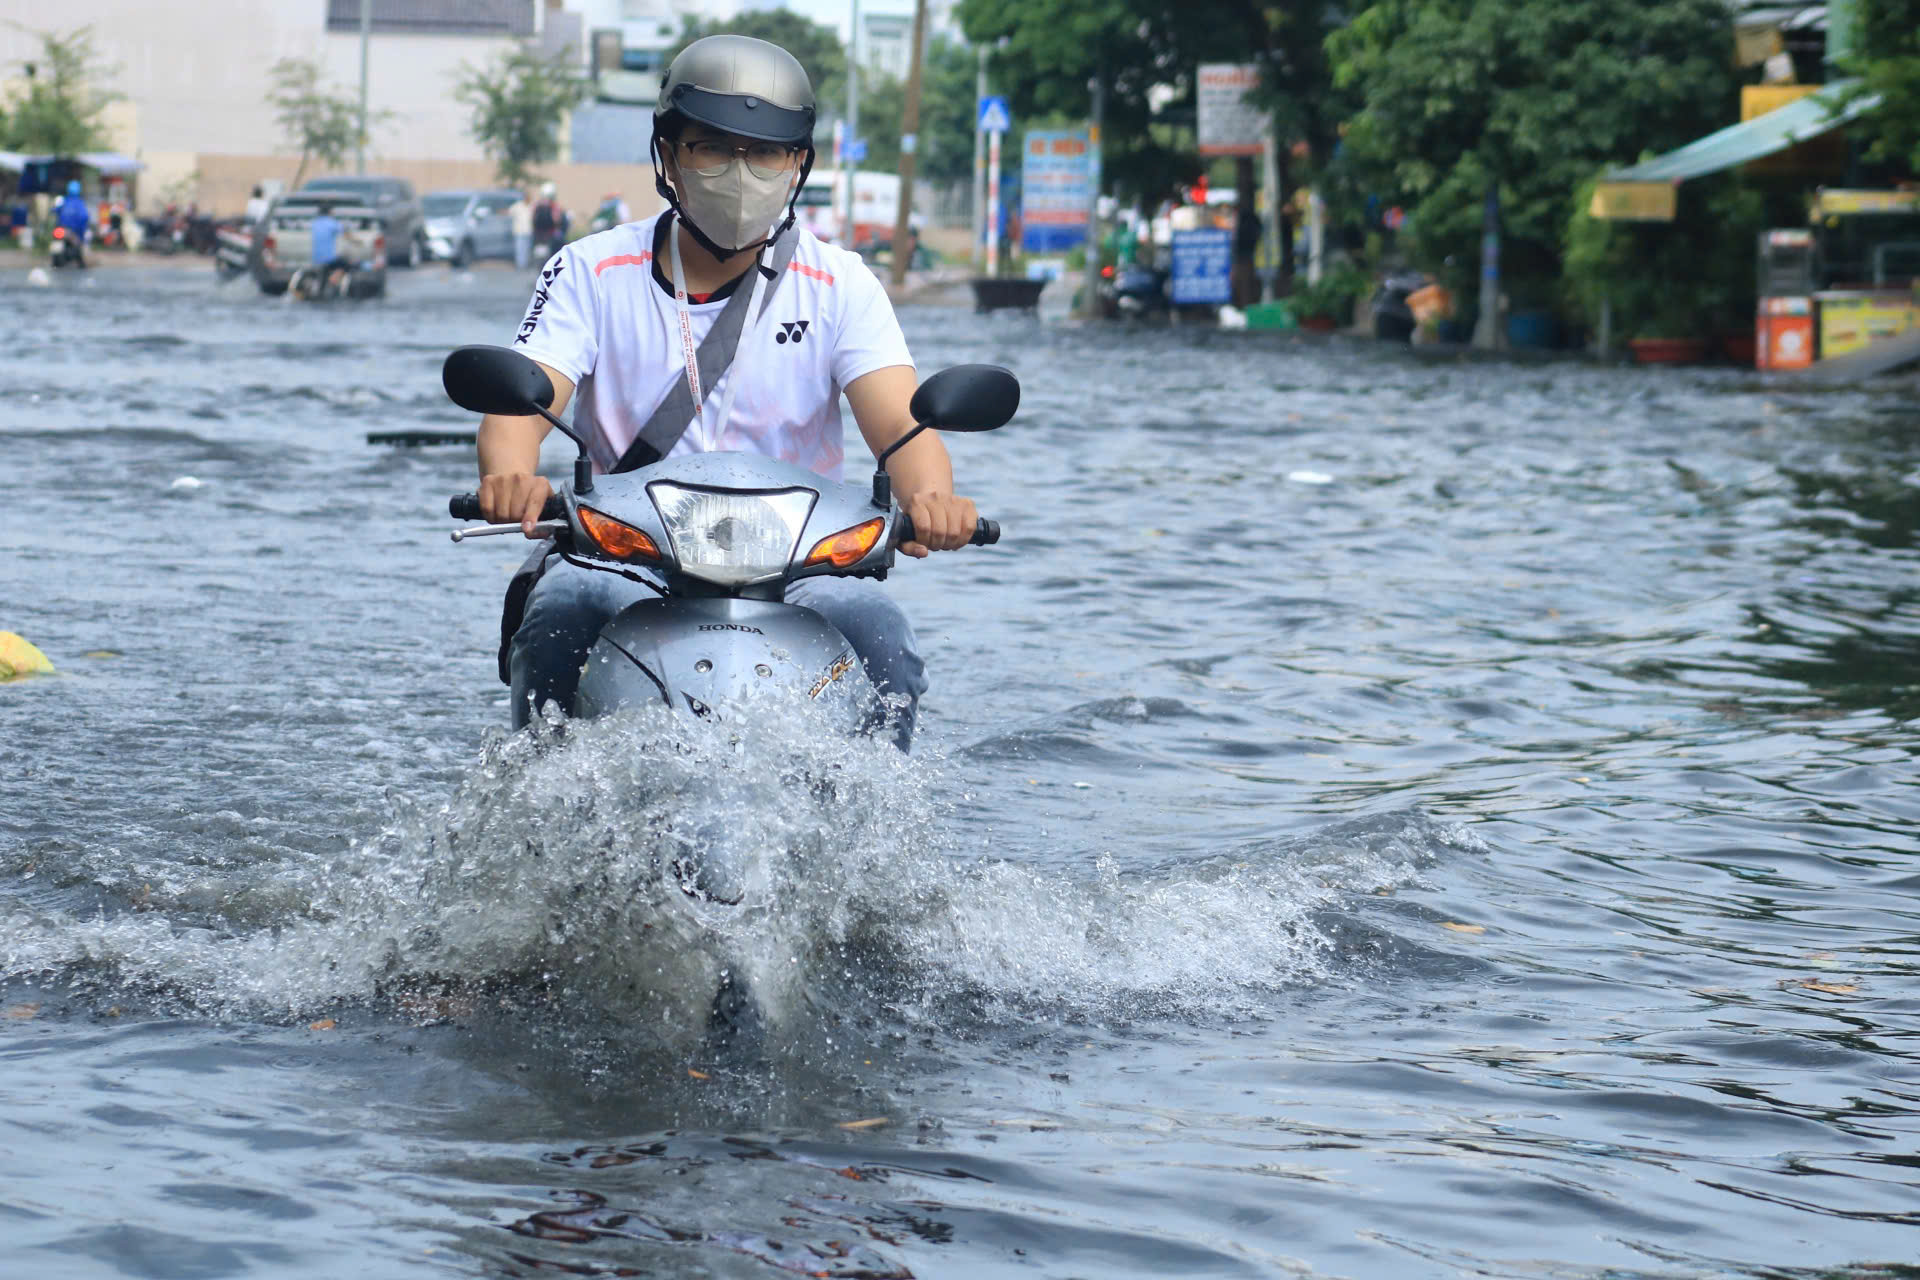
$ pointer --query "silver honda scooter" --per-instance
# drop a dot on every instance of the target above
(720, 537)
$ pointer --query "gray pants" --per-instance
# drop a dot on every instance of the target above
(569, 605)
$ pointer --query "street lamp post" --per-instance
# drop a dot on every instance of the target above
(844, 160)
(360, 142)
(1090, 280)
(909, 144)
(979, 157)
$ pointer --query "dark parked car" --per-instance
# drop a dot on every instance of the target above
(401, 216)
(464, 225)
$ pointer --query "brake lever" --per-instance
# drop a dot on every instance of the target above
(545, 529)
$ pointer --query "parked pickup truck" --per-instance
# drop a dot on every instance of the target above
(284, 244)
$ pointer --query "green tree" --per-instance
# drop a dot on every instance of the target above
(883, 100)
(1682, 279)
(1054, 49)
(1531, 98)
(946, 115)
(947, 112)
(519, 102)
(1890, 67)
(319, 123)
(62, 108)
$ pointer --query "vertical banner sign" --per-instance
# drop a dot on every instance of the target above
(1230, 125)
(1202, 264)
(1056, 190)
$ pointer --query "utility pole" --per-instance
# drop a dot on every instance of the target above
(979, 157)
(366, 30)
(853, 121)
(1279, 260)
(1090, 285)
(909, 144)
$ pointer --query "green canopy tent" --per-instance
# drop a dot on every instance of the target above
(1645, 192)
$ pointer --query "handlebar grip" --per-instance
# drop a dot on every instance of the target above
(466, 506)
(985, 533)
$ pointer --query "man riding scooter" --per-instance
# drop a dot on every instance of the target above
(616, 319)
(71, 222)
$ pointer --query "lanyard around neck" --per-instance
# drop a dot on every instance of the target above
(690, 352)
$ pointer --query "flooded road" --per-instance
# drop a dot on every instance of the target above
(1374, 816)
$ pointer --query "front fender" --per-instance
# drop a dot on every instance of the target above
(702, 653)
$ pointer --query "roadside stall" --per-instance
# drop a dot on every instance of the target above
(1869, 247)
(1792, 129)
(35, 181)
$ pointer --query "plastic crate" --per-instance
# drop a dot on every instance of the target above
(1271, 315)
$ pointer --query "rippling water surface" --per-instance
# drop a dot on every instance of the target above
(1374, 816)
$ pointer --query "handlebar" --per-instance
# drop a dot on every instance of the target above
(466, 506)
(985, 533)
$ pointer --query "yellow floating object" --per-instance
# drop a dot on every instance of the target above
(18, 658)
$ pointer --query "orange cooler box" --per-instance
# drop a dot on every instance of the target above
(1783, 333)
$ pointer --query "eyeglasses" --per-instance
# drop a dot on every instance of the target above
(709, 157)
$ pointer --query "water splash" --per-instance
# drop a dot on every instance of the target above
(551, 878)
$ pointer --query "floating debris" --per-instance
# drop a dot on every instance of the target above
(19, 658)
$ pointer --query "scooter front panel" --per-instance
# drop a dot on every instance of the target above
(701, 654)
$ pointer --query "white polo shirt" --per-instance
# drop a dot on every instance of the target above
(598, 317)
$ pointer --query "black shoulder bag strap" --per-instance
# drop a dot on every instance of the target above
(676, 413)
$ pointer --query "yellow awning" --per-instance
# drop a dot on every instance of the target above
(1634, 201)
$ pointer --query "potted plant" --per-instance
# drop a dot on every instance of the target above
(1321, 305)
(1672, 336)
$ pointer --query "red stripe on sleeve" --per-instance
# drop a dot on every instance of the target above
(627, 260)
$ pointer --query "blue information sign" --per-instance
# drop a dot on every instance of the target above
(1056, 190)
(993, 116)
(854, 150)
(1202, 265)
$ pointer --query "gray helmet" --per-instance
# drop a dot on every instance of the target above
(740, 85)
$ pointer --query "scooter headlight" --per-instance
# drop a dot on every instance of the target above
(732, 539)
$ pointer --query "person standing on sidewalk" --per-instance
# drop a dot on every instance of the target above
(520, 218)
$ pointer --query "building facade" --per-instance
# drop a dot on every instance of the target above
(195, 107)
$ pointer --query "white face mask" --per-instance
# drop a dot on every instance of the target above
(735, 209)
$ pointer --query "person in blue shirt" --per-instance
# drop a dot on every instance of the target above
(72, 216)
(326, 231)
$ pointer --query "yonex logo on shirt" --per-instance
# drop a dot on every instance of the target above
(791, 331)
(540, 295)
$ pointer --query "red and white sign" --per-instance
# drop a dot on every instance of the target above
(1230, 125)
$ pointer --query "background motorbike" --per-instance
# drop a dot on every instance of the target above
(1393, 318)
(66, 250)
(318, 284)
(1133, 290)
